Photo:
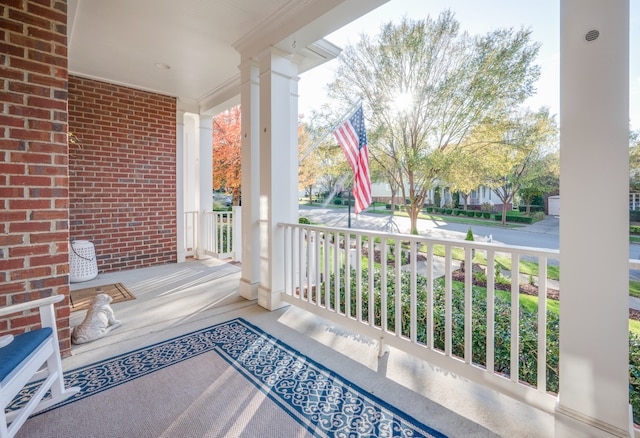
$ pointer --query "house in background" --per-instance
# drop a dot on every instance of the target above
(138, 84)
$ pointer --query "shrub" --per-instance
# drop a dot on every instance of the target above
(387, 206)
(448, 210)
(634, 229)
(304, 221)
(478, 213)
(469, 235)
(470, 213)
(486, 215)
(337, 201)
(429, 209)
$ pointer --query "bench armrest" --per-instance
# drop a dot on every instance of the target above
(42, 302)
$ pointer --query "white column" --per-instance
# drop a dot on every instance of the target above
(250, 131)
(278, 170)
(180, 175)
(594, 120)
(205, 186)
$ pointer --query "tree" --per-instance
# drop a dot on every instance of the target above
(308, 164)
(515, 147)
(426, 85)
(466, 169)
(227, 149)
(329, 163)
(543, 177)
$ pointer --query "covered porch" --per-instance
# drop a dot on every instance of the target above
(176, 299)
(270, 48)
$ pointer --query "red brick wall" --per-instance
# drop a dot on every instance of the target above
(123, 174)
(33, 159)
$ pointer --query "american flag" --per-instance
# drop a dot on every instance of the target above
(352, 136)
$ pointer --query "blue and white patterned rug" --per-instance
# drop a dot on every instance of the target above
(320, 400)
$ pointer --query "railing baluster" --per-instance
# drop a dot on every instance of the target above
(447, 301)
(347, 274)
(542, 324)
(358, 277)
(316, 268)
(336, 260)
(371, 248)
(430, 281)
(515, 316)
(383, 286)
(397, 293)
(413, 318)
(491, 284)
(468, 283)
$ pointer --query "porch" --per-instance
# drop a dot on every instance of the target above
(175, 299)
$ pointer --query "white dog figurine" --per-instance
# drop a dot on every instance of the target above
(99, 321)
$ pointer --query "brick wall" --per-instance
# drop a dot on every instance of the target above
(122, 175)
(33, 159)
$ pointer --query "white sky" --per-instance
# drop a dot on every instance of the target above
(478, 17)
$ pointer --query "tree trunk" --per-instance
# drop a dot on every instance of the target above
(414, 210)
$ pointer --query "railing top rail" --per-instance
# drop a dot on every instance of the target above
(498, 247)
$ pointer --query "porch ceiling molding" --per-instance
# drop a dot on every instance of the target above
(191, 49)
(228, 93)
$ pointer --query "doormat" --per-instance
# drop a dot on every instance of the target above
(81, 298)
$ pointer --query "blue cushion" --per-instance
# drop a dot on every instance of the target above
(20, 349)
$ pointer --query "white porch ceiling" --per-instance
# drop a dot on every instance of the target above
(128, 42)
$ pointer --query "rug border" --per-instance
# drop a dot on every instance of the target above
(308, 426)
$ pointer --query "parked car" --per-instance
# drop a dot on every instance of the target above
(223, 198)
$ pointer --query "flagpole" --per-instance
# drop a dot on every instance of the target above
(350, 113)
(349, 203)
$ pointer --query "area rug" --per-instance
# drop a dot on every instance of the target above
(198, 385)
(81, 298)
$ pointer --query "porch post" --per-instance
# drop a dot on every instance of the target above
(205, 165)
(250, 105)
(594, 138)
(180, 241)
(278, 169)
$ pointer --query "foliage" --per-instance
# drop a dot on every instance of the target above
(447, 81)
(542, 177)
(304, 220)
(634, 161)
(515, 147)
(634, 375)
(325, 164)
(227, 153)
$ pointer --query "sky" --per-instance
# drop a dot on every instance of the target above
(478, 17)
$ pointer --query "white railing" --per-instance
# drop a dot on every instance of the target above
(328, 271)
(219, 234)
(190, 233)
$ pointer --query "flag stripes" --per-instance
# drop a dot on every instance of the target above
(352, 137)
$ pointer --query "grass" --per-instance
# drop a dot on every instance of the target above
(530, 303)
(634, 288)
(526, 267)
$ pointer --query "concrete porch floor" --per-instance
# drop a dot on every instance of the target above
(175, 299)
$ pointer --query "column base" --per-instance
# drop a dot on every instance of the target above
(248, 290)
(270, 300)
(572, 424)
